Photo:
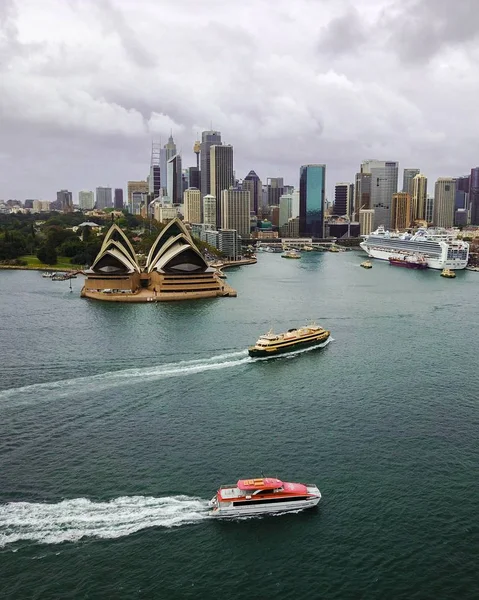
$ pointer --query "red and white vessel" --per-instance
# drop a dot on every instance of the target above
(264, 495)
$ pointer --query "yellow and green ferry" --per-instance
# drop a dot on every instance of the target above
(290, 341)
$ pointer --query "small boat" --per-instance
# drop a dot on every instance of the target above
(294, 339)
(291, 254)
(308, 248)
(333, 249)
(48, 274)
(409, 261)
(265, 495)
(367, 264)
(448, 273)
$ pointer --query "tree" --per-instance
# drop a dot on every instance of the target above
(47, 255)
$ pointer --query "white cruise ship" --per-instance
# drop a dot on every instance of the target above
(439, 247)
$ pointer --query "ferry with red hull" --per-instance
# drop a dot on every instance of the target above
(265, 495)
(408, 261)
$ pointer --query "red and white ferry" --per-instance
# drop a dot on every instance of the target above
(265, 495)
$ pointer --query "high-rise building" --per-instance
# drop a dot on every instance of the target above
(419, 197)
(86, 200)
(221, 173)
(197, 150)
(312, 187)
(285, 209)
(229, 243)
(174, 179)
(342, 199)
(401, 213)
(407, 181)
(209, 210)
(275, 190)
(474, 196)
(118, 203)
(192, 205)
(194, 177)
(166, 153)
(444, 196)
(366, 221)
(103, 198)
(384, 183)
(362, 193)
(252, 183)
(138, 202)
(462, 193)
(208, 139)
(154, 180)
(235, 211)
(135, 186)
(429, 209)
(65, 201)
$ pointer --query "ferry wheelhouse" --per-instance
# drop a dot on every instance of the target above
(265, 495)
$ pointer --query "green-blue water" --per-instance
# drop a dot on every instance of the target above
(118, 423)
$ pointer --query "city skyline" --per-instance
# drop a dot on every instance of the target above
(304, 98)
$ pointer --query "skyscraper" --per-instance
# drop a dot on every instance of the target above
(174, 179)
(209, 210)
(384, 183)
(408, 177)
(444, 196)
(194, 177)
(154, 180)
(252, 183)
(401, 211)
(474, 195)
(221, 173)
(65, 201)
(462, 192)
(362, 193)
(103, 198)
(86, 200)
(312, 186)
(192, 203)
(285, 209)
(342, 199)
(235, 211)
(135, 186)
(419, 197)
(118, 202)
(166, 153)
(275, 190)
(208, 139)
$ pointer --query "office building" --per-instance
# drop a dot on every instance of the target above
(460, 217)
(312, 186)
(86, 200)
(384, 183)
(64, 201)
(252, 183)
(362, 193)
(135, 186)
(462, 193)
(444, 197)
(290, 229)
(285, 209)
(429, 209)
(209, 210)
(221, 173)
(275, 190)
(139, 202)
(164, 212)
(194, 177)
(474, 196)
(235, 211)
(401, 213)
(166, 153)
(419, 198)
(208, 139)
(192, 205)
(229, 243)
(103, 198)
(407, 181)
(342, 199)
(366, 221)
(118, 202)
(174, 180)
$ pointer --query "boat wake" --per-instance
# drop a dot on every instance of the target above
(72, 520)
(94, 383)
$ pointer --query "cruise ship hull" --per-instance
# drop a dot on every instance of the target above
(292, 346)
(227, 510)
(432, 263)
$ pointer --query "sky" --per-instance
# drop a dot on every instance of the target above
(87, 85)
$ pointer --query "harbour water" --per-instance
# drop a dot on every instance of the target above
(118, 423)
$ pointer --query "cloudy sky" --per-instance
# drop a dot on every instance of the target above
(86, 85)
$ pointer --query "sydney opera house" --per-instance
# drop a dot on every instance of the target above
(174, 270)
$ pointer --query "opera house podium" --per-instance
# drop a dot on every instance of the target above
(175, 270)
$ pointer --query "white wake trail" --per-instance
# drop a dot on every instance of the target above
(72, 520)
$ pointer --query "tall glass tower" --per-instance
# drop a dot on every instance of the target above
(312, 187)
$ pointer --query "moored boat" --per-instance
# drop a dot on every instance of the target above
(291, 254)
(271, 343)
(409, 261)
(264, 495)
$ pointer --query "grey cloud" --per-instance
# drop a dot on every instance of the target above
(344, 34)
